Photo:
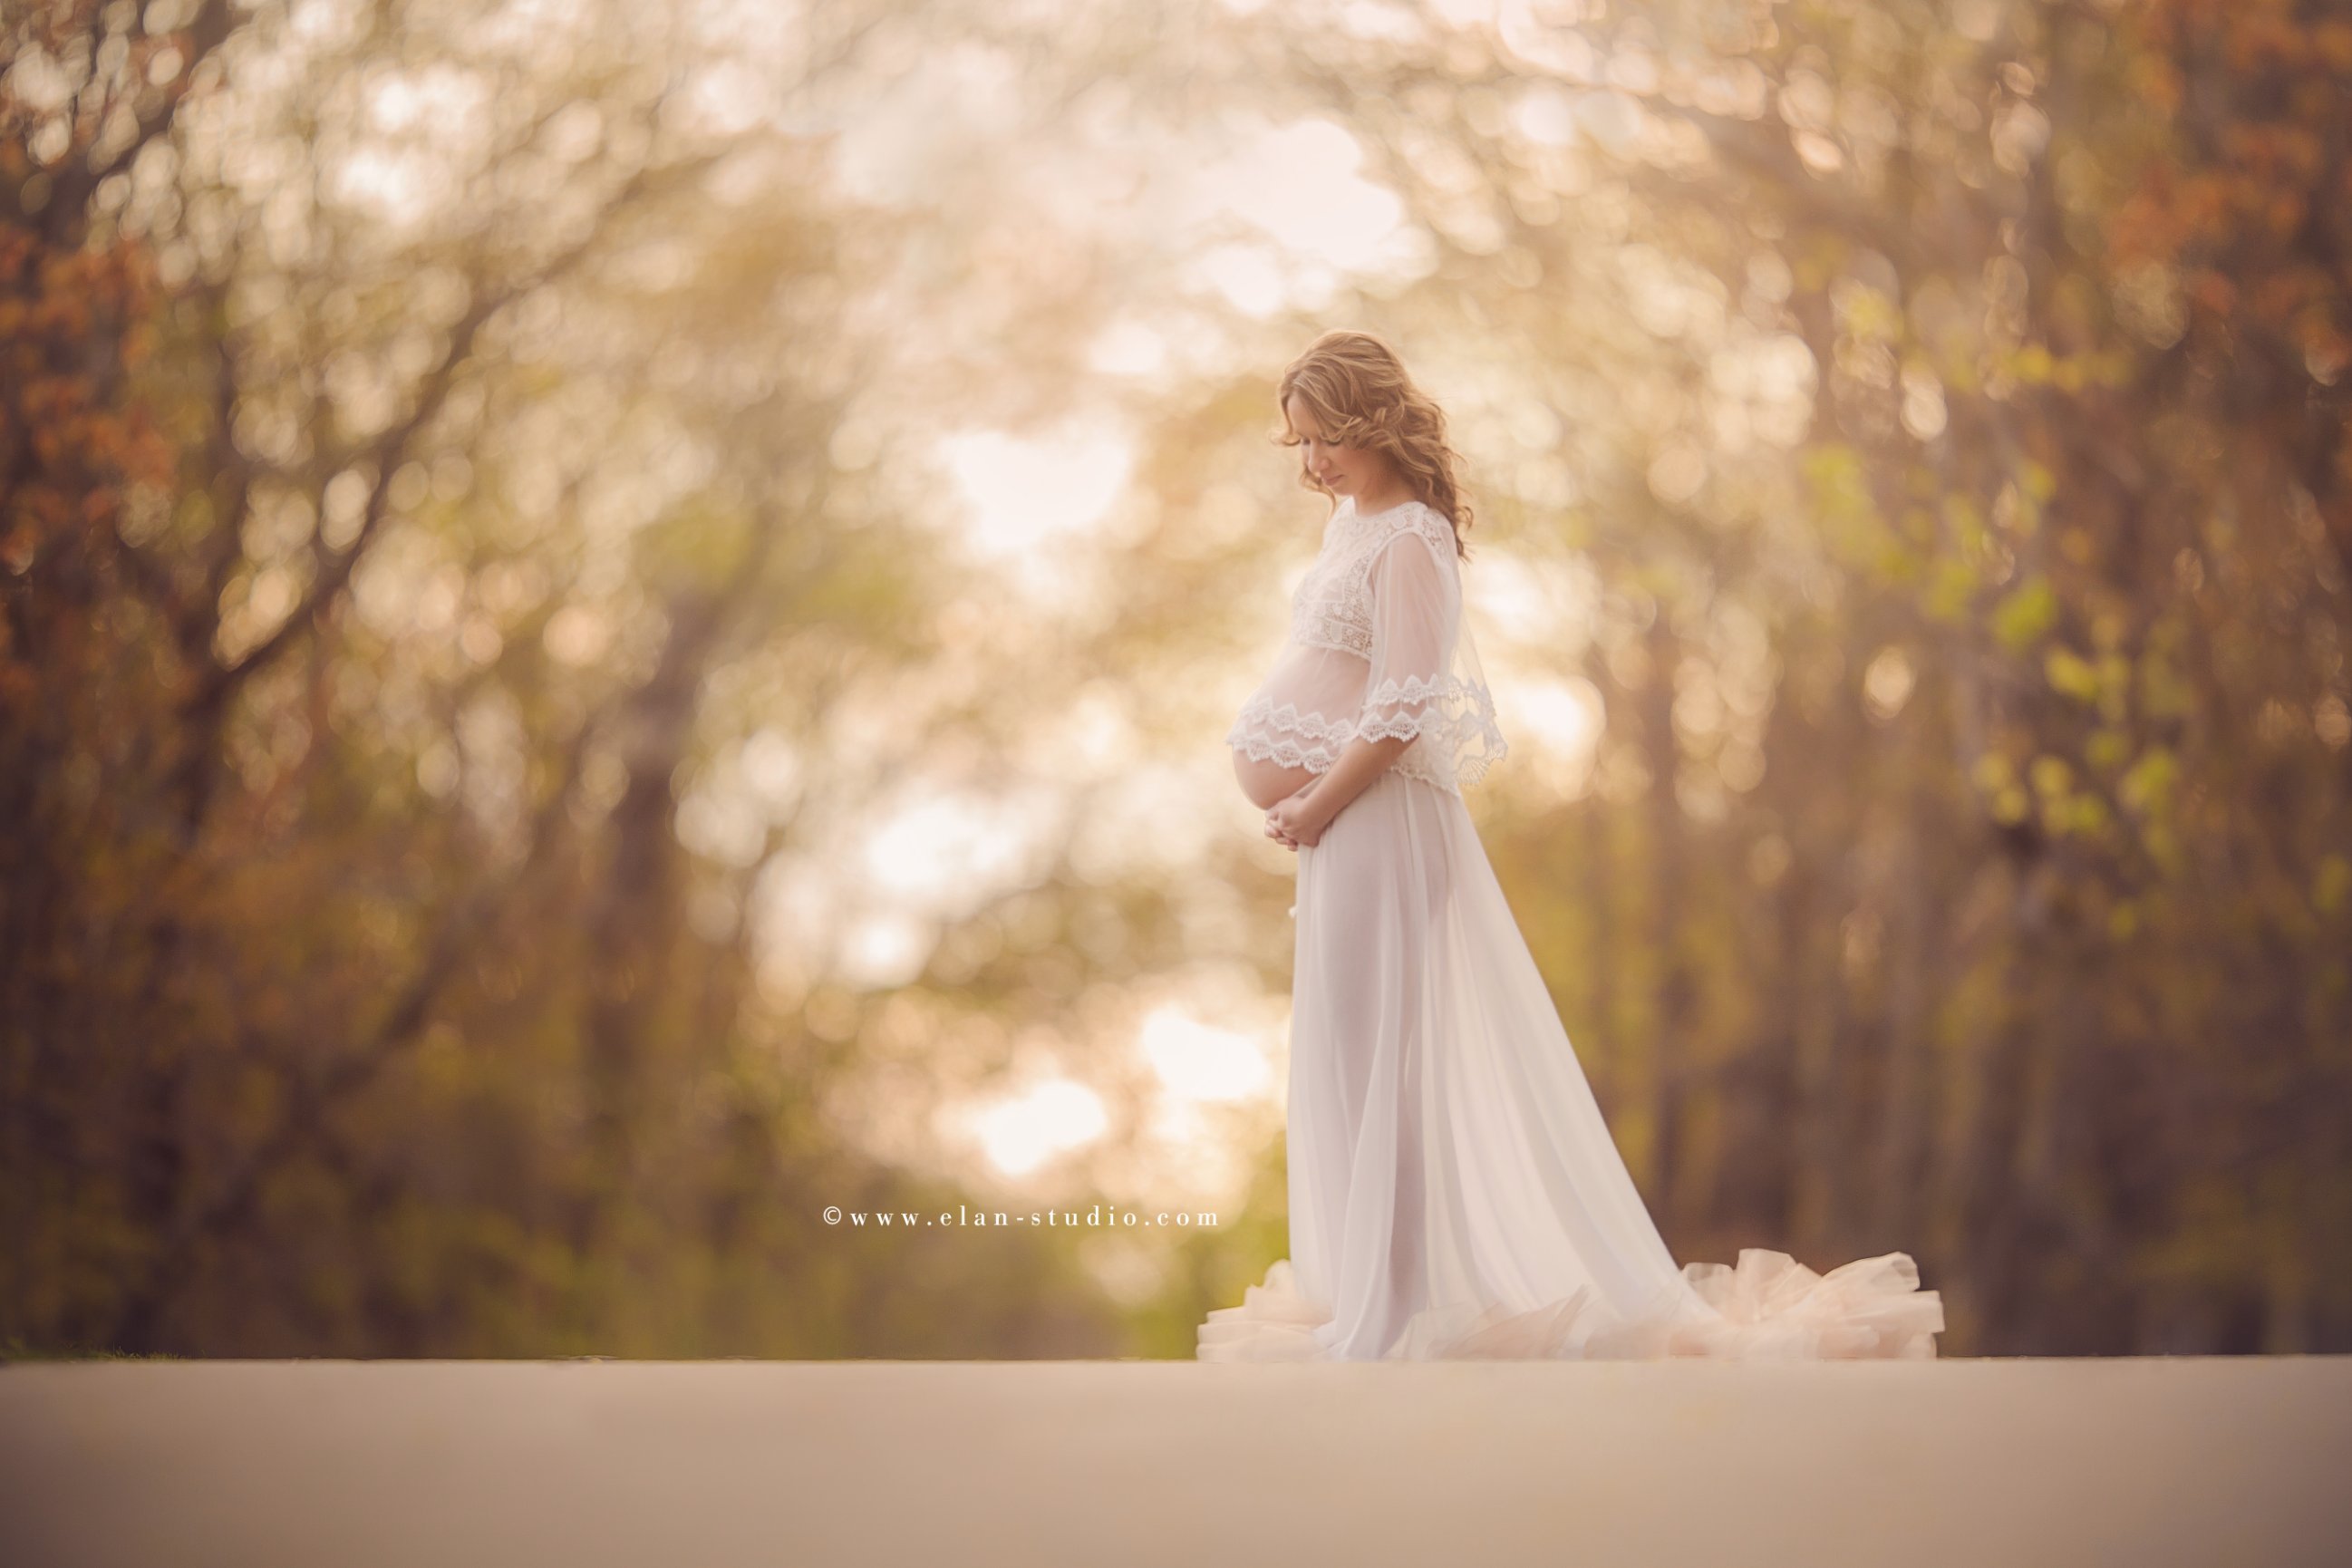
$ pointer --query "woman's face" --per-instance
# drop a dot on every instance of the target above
(1346, 470)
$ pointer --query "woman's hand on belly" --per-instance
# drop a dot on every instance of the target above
(1293, 821)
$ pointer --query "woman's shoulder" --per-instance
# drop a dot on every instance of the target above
(1420, 518)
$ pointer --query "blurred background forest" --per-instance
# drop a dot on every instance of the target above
(616, 622)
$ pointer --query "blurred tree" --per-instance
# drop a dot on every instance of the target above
(2036, 956)
(352, 998)
(469, 564)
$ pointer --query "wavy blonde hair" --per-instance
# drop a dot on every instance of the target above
(1362, 397)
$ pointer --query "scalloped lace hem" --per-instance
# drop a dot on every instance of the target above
(1452, 722)
(1294, 740)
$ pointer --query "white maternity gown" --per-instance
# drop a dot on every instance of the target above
(1455, 1191)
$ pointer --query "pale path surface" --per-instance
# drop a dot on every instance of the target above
(1990, 1463)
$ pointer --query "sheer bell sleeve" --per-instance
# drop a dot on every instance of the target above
(1425, 682)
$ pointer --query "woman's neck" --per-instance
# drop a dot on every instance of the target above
(1367, 507)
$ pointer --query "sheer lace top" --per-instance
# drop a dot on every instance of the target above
(1378, 646)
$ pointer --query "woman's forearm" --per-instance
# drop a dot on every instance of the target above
(1358, 766)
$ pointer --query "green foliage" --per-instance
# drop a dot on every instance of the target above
(2024, 613)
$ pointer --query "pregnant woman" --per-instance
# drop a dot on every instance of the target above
(1455, 1191)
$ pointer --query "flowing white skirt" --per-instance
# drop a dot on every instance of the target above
(1455, 1191)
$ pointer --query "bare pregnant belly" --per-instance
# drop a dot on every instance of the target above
(1265, 781)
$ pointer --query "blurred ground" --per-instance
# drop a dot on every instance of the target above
(2148, 1461)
